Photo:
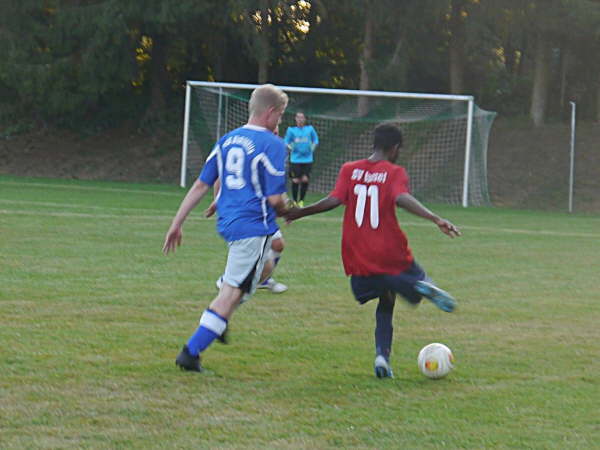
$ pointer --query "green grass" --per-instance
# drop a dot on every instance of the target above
(92, 315)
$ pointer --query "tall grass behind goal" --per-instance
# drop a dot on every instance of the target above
(445, 137)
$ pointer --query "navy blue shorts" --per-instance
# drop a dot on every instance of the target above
(374, 286)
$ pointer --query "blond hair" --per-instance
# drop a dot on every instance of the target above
(265, 97)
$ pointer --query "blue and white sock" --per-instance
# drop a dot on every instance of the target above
(212, 325)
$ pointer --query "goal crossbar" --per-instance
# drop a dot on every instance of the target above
(353, 92)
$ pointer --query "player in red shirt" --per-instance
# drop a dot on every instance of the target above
(375, 250)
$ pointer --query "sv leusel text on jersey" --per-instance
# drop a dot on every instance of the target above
(367, 177)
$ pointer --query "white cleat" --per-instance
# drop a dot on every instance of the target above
(273, 286)
(382, 368)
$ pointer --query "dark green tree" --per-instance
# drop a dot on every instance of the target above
(74, 57)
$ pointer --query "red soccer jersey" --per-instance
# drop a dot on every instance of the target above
(372, 241)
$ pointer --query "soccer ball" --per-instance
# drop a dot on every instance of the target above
(435, 360)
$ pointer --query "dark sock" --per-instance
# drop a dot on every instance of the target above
(303, 189)
(295, 191)
(384, 330)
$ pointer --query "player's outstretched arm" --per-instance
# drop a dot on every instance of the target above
(212, 208)
(414, 206)
(192, 198)
(325, 204)
(279, 203)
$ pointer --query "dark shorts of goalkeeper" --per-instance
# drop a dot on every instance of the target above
(298, 170)
(374, 286)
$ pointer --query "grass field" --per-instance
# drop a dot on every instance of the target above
(92, 316)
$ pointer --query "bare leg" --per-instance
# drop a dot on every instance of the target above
(226, 301)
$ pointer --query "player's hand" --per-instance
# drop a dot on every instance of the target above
(211, 210)
(292, 214)
(172, 240)
(448, 228)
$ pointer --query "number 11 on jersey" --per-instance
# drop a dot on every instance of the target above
(362, 192)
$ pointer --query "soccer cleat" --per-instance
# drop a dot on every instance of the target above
(382, 368)
(186, 361)
(440, 298)
(301, 204)
(274, 286)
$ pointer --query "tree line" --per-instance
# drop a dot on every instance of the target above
(74, 62)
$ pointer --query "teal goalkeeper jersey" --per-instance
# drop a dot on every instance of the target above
(302, 142)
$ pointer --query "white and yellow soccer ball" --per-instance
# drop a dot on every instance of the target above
(435, 360)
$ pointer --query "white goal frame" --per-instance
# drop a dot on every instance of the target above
(213, 84)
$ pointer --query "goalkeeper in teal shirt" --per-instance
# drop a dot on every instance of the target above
(302, 140)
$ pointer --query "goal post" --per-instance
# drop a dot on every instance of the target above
(445, 136)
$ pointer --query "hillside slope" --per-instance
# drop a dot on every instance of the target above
(527, 168)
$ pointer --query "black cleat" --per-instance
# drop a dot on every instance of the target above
(186, 361)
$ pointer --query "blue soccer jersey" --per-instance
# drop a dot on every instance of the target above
(302, 141)
(250, 162)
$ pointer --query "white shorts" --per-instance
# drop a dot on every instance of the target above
(245, 262)
(277, 235)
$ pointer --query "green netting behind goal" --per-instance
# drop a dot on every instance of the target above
(434, 137)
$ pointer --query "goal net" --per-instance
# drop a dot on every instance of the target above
(445, 137)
